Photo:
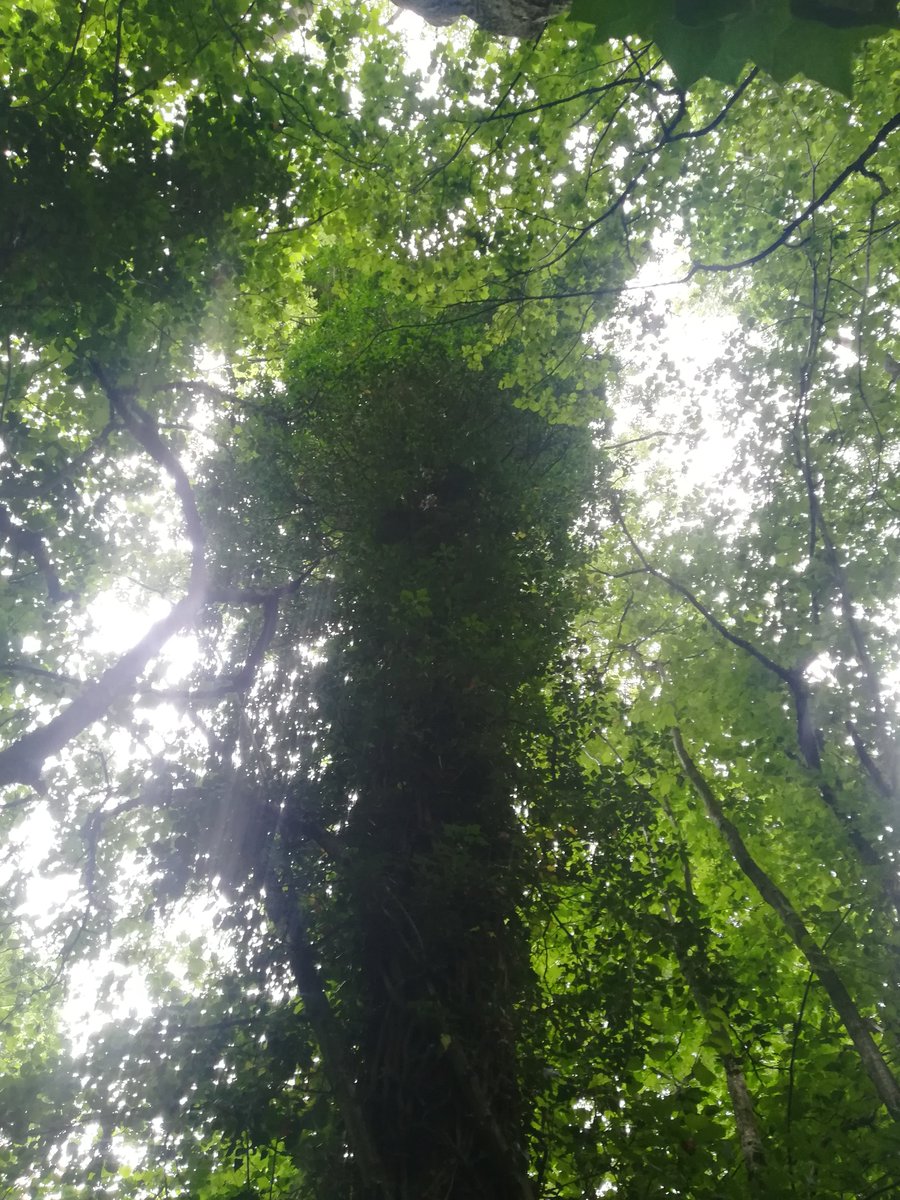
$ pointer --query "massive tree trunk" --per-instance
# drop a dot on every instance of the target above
(510, 18)
(450, 512)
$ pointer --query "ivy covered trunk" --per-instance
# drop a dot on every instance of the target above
(452, 534)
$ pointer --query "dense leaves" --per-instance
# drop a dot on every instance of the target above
(715, 38)
(449, 704)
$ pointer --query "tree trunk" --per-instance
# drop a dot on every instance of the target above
(509, 18)
(452, 537)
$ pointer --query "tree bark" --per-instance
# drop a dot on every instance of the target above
(509, 18)
(745, 1120)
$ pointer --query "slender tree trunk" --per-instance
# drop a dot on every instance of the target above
(749, 1134)
(876, 1068)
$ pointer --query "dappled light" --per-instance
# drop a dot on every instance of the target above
(449, 527)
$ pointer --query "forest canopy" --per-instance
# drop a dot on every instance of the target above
(449, 516)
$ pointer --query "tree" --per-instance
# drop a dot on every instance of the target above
(818, 40)
(548, 838)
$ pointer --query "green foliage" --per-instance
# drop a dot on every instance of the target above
(715, 38)
(451, 568)
(520, 804)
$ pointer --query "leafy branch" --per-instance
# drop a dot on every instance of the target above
(808, 737)
(873, 1062)
(22, 761)
(857, 167)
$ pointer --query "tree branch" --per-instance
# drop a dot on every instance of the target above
(719, 117)
(807, 735)
(23, 760)
(853, 168)
(14, 668)
(24, 541)
(784, 673)
(143, 429)
(868, 763)
(239, 682)
(884, 1083)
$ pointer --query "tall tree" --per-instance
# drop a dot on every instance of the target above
(548, 833)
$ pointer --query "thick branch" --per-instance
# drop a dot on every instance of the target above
(868, 763)
(745, 1118)
(23, 760)
(143, 429)
(884, 1083)
(269, 600)
(19, 668)
(242, 680)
